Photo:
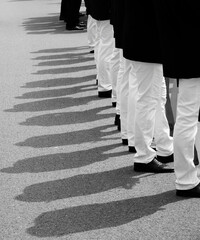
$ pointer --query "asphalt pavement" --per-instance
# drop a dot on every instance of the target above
(64, 174)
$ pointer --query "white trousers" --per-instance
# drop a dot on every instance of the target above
(91, 31)
(104, 49)
(185, 131)
(150, 118)
(124, 91)
(114, 69)
(132, 98)
(119, 81)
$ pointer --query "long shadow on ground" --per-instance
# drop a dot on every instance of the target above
(62, 161)
(80, 185)
(63, 139)
(97, 216)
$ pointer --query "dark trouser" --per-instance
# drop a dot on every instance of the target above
(70, 12)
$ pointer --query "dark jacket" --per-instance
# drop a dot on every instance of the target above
(140, 37)
(117, 20)
(179, 24)
(100, 9)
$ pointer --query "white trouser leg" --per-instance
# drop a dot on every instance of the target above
(132, 97)
(119, 80)
(185, 131)
(91, 31)
(124, 99)
(149, 77)
(114, 69)
(94, 35)
(104, 51)
(163, 141)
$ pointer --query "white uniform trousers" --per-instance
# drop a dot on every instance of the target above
(124, 91)
(91, 32)
(150, 118)
(104, 50)
(185, 131)
(93, 38)
(119, 80)
(114, 69)
(132, 97)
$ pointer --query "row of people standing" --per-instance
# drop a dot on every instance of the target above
(136, 44)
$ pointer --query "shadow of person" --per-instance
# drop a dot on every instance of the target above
(70, 138)
(64, 70)
(53, 93)
(64, 62)
(81, 185)
(61, 50)
(70, 56)
(65, 118)
(46, 25)
(61, 161)
(59, 82)
(98, 216)
(51, 104)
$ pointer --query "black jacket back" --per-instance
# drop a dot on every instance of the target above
(140, 35)
(100, 9)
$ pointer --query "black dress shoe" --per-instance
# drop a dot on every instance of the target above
(166, 159)
(81, 24)
(125, 141)
(193, 193)
(196, 159)
(117, 119)
(91, 51)
(105, 94)
(114, 104)
(74, 28)
(153, 167)
(119, 125)
(132, 149)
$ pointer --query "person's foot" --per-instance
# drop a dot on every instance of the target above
(132, 149)
(114, 104)
(117, 119)
(191, 193)
(81, 24)
(153, 167)
(124, 141)
(74, 28)
(105, 94)
(166, 159)
(119, 125)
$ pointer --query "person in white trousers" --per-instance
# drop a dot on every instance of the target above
(100, 11)
(185, 133)
(141, 47)
(178, 29)
(150, 117)
(91, 32)
(104, 50)
(114, 70)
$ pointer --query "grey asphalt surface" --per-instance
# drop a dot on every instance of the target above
(64, 173)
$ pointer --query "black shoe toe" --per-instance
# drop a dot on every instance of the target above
(192, 193)
(166, 159)
(153, 167)
(105, 94)
(125, 141)
(132, 149)
(74, 28)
